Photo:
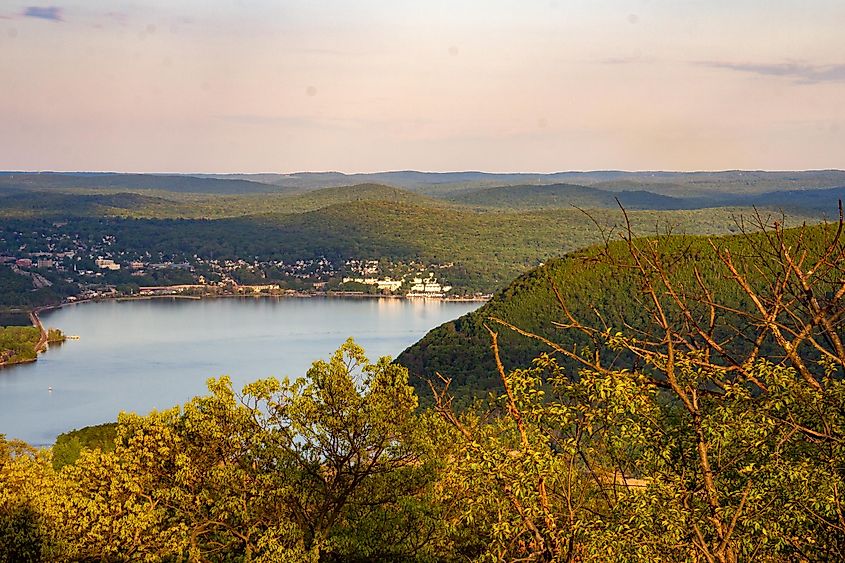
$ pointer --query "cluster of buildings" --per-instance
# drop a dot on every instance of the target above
(99, 264)
(37, 260)
(415, 287)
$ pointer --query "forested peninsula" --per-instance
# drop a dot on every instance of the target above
(22, 344)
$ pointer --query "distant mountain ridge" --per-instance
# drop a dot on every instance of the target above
(114, 181)
(692, 183)
(674, 184)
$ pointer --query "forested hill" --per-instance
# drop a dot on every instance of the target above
(595, 291)
(548, 196)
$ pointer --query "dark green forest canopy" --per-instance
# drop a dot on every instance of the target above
(18, 296)
(598, 293)
(17, 344)
(69, 445)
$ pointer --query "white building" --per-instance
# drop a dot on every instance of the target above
(106, 264)
(428, 287)
(386, 283)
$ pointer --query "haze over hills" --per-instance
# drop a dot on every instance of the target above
(665, 183)
(440, 183)
(116, 181)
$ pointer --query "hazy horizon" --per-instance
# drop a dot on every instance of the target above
(410, 170)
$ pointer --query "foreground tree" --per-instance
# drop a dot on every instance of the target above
(27, 506)
(332, 466)
(714, 434)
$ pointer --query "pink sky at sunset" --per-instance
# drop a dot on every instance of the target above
(494, 85)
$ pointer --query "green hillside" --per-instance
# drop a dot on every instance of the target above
(163, 204)
(592, 197)
(17, 344)
(594, 291)
(318, 199)
(806, 199)
(43, 203)
(486, 250)
(705, 184)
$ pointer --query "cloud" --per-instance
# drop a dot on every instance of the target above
(52, 13)
(801, 73)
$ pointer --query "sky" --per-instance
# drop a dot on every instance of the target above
(435, 85)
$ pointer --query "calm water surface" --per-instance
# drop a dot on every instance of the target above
(154, 354)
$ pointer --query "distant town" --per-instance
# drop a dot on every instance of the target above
(89, 268)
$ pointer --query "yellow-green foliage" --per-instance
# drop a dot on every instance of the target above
(335, 464)
(55, 335)
(342, 467)
(17, 343)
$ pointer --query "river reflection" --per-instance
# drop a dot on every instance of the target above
(154, 354)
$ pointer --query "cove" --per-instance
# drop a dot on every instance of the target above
(154, 354)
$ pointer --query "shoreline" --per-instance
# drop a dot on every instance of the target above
(43, 345)
(40, 347)
(17, 363)
(295, 295)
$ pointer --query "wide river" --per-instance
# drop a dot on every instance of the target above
(154, 354)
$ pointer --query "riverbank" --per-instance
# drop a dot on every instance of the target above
(285, 295)
(12, 363)
(18, 345)
(39, 346)
(43, 341)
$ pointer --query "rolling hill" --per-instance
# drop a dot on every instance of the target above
(595, 292)
(482, 250)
